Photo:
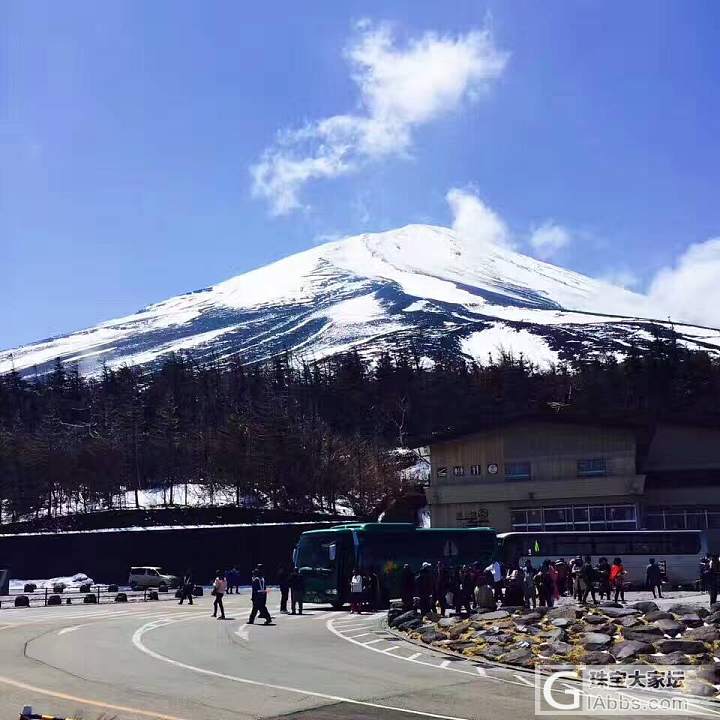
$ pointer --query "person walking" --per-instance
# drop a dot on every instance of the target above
(713, 578)
(219, 589)
(259, 597)
(617, 579)
(442, 586)
(297, 591)
(283, 579)
(356, 592)
(653, 578)
(187, 587)
(407, 587)
(425, 588)
(603, 575)
(497, 574)
(528, 573)
(587, 580)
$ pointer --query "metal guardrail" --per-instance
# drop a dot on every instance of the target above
(72, 596)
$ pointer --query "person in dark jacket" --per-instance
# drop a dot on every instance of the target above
(713, 578)
(442, 585)
(187, 587)
(297, 591)
(587, 580)
(283, 579)
(407, 587)
(603, 574)
(259, 597)
(653, 577)
(425, 587)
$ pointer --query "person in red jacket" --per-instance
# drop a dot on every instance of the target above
(617, 579)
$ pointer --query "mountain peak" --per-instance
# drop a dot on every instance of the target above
(420, 285)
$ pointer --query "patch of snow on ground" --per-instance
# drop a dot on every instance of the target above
(492, 342)
(70, 581)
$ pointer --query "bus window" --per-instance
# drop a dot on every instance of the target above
(318, 553)
(613, 546)
(573, 546)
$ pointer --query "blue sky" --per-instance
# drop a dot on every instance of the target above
(129, 132)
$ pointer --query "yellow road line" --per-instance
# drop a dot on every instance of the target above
(86, 701)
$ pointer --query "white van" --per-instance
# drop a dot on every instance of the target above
(151, 577)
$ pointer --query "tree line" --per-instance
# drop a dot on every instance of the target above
(299, 436)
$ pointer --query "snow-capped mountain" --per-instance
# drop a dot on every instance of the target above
(419, 285)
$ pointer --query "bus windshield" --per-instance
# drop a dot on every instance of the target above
(317, 553)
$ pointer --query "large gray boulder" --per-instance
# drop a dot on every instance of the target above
(492, 652)
(609, 603)
(495, 615)
(598, 657)
(557, 647)
(529, 619)
(432, 635)
(595, 619)
(409, 624)
(689, 647)
(644, 606)
(645, 633)
(691, 620)
(448, 622)
(614, 612)
(630, 649)
(403, 617)
(629, 621)
(596, 641)
(673, 658)
(519, 656)
(682, 609)
(560, 622)
(571, 612)
(670, 627)
(554, 633)
(658, 615)
(713, 618)
(706, 633)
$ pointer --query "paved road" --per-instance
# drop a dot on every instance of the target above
(160, 660)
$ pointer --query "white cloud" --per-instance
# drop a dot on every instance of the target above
(548, 239)
(690, 291)
(622, 277)
(400, 88)
(473, 220)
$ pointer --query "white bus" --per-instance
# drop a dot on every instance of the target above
(678, 552)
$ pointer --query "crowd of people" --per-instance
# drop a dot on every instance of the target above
(470, 587)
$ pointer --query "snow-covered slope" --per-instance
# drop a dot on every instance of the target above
(419, 285)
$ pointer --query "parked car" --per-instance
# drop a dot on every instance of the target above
(151, 577)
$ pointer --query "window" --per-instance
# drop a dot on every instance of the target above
(475, 470)
(591, 467)
(459, 470)
(557, 518)
(576, 517)
(517, 471)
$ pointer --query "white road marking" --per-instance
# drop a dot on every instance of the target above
(445, 663)
(481, 670)
(414, 659)
(391, 648)
(365, 634)
(67, 630)
(372, 642)
(137, 640)
(325, 615)
(524, 680)
(242, 632)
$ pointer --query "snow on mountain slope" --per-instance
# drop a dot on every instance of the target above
(419, 286)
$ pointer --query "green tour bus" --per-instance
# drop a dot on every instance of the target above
(326, 558)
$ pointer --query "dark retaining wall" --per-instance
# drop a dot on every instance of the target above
(107, 556)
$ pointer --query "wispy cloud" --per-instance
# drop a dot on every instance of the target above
(548, 239)
(400, 87)
(475, 221)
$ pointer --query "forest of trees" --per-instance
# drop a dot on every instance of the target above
(295, 436)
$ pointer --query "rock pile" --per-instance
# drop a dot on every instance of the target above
(597, 635)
